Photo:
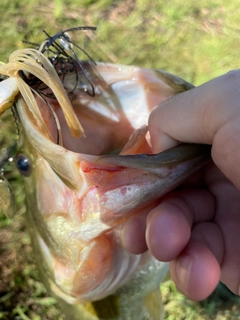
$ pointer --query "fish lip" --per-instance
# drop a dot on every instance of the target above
(170, 158)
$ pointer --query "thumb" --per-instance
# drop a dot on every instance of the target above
(207, 114)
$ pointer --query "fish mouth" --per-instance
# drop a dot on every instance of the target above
(88, 111)
(72, 105)
(106, 126)
(87, 107)
(98, 143)
(117, 112)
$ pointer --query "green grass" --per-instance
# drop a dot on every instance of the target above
(221, 305)
(197, 41)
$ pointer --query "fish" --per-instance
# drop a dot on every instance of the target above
(87, 162)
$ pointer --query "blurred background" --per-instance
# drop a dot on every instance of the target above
(195, 40)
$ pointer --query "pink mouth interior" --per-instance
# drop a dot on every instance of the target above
(124, 97)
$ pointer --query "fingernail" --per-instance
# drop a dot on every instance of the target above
(183, 271)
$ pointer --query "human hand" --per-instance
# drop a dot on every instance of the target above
(196, 227)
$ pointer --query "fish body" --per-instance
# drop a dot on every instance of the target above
(88, 165)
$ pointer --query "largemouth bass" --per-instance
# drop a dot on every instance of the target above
(87, 163)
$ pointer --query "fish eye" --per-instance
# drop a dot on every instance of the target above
(23, 165)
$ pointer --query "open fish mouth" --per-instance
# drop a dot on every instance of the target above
(86, 156)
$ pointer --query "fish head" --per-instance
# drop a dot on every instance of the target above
(87, 163)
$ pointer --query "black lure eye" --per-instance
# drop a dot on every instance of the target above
(23, 165)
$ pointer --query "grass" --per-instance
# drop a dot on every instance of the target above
(197, 41)
(221, 305)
